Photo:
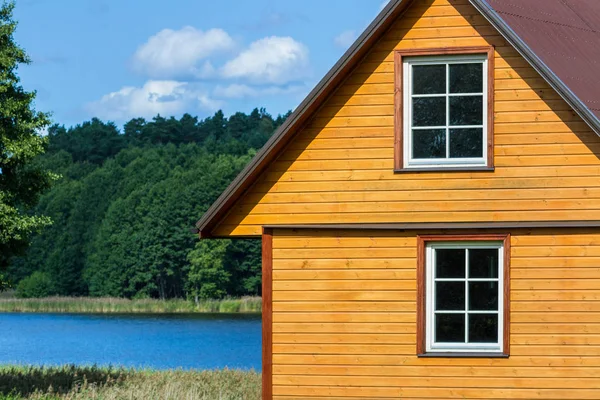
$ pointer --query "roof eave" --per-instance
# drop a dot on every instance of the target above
(220, 207)
(536, 62)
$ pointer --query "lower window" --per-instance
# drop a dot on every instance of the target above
(464, 297)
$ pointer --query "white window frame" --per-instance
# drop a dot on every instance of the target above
(409, 161)
(431, 345)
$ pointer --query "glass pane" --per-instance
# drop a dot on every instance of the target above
(429, 111)
(466, 110)
(450, 263)
(450, 328)
(466, 143)
(429, 79)
(483, 296)
(429, 143)
(483, 328)
(450, 296)
(466, 78)
(483, 263)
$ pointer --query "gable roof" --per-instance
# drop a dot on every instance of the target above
(561, 40)
(556, 37)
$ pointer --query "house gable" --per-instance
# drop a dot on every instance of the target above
(339, 168)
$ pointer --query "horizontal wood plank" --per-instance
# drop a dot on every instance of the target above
(344, 303)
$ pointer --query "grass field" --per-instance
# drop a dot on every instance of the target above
(92, 383)
(124, 306)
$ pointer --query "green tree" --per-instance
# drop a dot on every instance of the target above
(93, 141)
(141, 245)
(21, 179)
(208, 278)
(125, 204)
(243, 261)
(37, 284)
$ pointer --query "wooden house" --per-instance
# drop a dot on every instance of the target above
(430, 213)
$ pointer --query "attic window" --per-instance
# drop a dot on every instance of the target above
(446, 111)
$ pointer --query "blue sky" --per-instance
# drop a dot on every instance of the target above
(120, 59)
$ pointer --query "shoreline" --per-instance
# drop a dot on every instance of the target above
(107, 305)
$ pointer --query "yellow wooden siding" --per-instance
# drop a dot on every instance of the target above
(339, 168)
(344, 320)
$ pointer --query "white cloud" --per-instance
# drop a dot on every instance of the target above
(272, 60)
(235, 91)
(155, 97)
(345, 39)
(170, 54)
(240, 91)
(177, 63)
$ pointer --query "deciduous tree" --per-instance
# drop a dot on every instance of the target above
(21, 179)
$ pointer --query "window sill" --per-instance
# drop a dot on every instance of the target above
(463, 355)
(445, 169)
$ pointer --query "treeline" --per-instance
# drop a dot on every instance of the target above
(125, 204)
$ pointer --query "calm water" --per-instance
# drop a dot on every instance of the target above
(156, 341)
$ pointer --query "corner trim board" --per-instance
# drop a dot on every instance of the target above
(267, 314)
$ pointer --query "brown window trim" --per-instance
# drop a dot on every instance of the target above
(422, 241)
(399, 106)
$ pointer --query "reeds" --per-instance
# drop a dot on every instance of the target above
(124, 306)
(94, 383)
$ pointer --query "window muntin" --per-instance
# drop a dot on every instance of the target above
(445, 113)
(464, 304)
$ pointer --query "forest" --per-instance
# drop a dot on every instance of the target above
(124, 204)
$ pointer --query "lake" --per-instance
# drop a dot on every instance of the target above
(196, 341)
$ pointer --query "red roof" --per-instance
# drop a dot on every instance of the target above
(565, 36)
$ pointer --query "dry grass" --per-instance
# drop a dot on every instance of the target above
(92, 383)
(125, 306)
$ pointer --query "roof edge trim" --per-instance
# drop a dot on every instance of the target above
(215, 212)
(411, 226)
(536, 62)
